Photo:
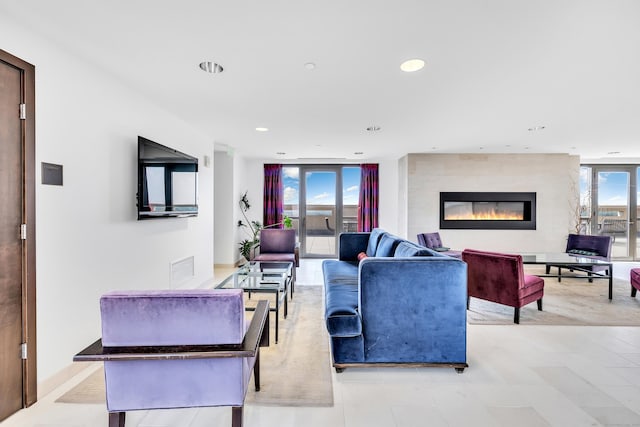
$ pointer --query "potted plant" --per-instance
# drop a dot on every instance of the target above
(247, 247)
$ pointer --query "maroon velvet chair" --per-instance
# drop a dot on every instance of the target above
(279, 244)
(635, 280)
(500, 278)
(433, 241)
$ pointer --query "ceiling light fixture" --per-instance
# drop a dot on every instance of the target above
(610, 153)
(536, 128)
(262, 129)
(412, 65)
(310, 66)
(211, 67)
(281, 153)
(358, 153)
(373, 128)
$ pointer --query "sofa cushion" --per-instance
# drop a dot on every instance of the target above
(339, 272)
(341, 311)
(341, 298)
(409, 249)
(374, 239)
(387, 245)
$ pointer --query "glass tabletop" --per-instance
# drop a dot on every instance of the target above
(561, 258)
(255, 275)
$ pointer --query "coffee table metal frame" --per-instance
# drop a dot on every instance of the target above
(272, 277)
(577, 263)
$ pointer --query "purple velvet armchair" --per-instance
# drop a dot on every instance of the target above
(500, 278)
(582, 245)
(177, 349)
(279, 244)
(433, 241)
(634, 279)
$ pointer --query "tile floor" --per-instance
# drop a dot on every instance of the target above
(519, 376)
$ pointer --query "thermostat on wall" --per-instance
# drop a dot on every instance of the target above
(51, 174)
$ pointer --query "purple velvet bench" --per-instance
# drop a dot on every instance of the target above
(635, 280)
(178, 349)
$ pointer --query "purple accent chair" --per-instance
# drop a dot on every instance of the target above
(500, 278)
(434, 242)
(279, 244)
(635, 280)
(582, 245)
(175, 321)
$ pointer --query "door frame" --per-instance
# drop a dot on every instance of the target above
(29, 365)
(632, 220)
(337, 169)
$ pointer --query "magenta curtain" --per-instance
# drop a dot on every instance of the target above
(273, 195)
(368, 202)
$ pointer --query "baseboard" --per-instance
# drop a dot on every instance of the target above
(225, 265)
(56, 380)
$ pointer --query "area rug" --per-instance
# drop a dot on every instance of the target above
(570, 302)
(294, 372)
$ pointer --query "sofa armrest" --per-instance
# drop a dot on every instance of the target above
(404, 301)
(351, 244)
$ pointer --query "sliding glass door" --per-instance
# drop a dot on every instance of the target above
(322, 201)
(614, 210)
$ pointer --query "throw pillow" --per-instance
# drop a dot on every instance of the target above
(582, 252)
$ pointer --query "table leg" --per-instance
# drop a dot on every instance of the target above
(277, 311)
(610, 270)
(286, 305)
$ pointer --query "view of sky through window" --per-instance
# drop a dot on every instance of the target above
(321, 186)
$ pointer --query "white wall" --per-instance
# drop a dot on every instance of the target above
(553, 177)
(224, 205)
(88, 240)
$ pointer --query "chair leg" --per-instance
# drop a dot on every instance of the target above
(547, 269)
(256, 371)
(468, 298)
(633, 291)
(116, 419)
(590, 277)
(539, 304)
(516, 315)
(236, 416)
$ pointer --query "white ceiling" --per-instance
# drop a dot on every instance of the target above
(494, 69)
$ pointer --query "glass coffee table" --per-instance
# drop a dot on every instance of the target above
(272, 277)
(577, 263)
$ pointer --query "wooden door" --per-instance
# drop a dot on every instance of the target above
(17, 258)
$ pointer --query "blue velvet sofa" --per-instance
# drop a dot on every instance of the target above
(399, 304)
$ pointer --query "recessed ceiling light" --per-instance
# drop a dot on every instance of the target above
(412, 65)
(536, 128)
(373, 128)
(261, 129)
(281, 153)
(310, 66)
(613, 152)
(358, 153)
(211, 67)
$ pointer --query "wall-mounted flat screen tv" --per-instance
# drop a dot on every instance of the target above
(167, 182)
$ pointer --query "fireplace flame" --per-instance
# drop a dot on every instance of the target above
(491, 215)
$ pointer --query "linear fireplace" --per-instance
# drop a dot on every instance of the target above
(488, 211)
